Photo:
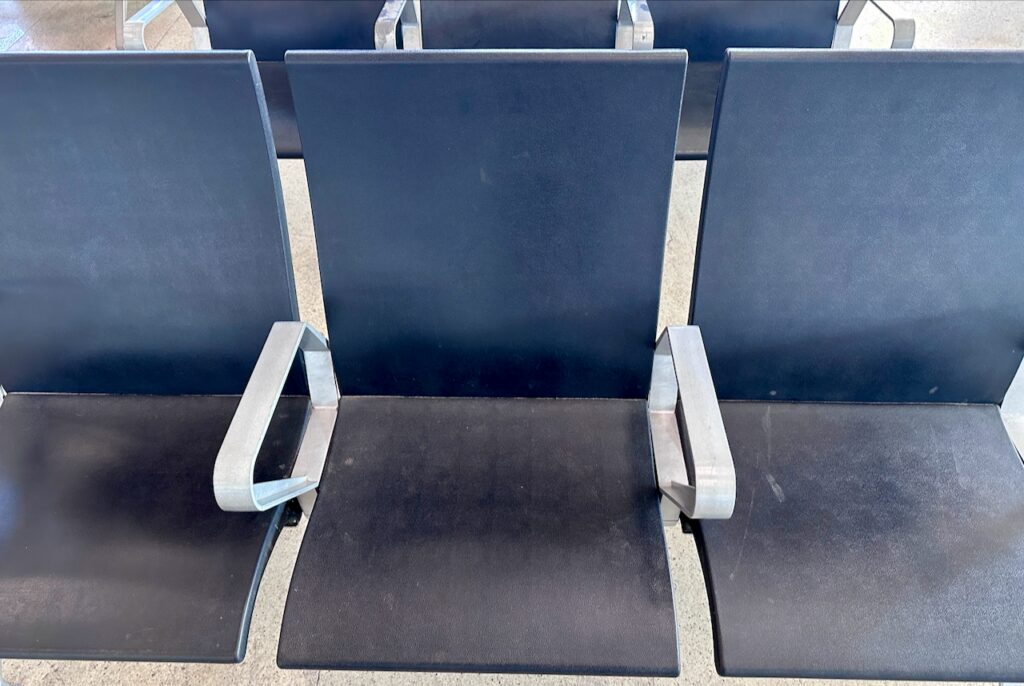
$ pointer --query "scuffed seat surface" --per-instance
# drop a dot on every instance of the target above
(869, 541)
(112, 546)
(485, 535)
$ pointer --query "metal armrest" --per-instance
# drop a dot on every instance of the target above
(691, 451)
(1012, 410)
(385, 29)
(3, 394)
(635, 27)
(903, 28)
(233, 483)
(130, 33)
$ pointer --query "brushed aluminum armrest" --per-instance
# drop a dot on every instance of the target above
(903, 28)
(635, 27)
(233, 472)
(130, 32)
(1012, 410)
(395, 13)
(691, 451)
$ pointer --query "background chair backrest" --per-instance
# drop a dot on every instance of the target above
(532, 24)
(706, 28)
(142, 235)
(490, 223)
(862, 239)
(271, 27)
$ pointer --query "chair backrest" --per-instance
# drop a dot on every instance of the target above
(142, 235)
(530, 24)
(271, 27)
(862, 239)
(706, 28)
(490, 223)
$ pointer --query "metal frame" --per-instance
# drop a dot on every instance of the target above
(395, 13)
(3, 394)
(634, 29)
(233, 483)
(1012, 410)
(903, 28)
(130, 33)
(691, 451)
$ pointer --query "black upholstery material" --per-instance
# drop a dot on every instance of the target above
(142, 244)
(707, 28)
(112, 546)
(272, 27)
(490, 223)
(505, 535)
(861, 238)
(537, 24)
(869, 541)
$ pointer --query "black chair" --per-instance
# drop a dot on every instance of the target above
(271, 27)
(860, 290)
(143, 259)
(490, 501)
(706, 28)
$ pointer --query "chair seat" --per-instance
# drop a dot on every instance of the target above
(112, 546)
(869, 541)
(694, 135)
(498, 535)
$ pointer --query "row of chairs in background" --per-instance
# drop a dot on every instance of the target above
(488, 499)
(704, 28)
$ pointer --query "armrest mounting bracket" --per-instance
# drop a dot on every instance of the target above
(696, 475)
(233, 472)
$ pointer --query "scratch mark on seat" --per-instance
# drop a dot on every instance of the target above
(780, 495)
(746, 530)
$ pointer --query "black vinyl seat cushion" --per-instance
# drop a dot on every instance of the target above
(485, 535)
(869, 541)
(112, 546)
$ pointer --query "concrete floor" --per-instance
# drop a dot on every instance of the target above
(88, 25)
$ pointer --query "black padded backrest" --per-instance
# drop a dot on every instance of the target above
(142, 236)
(863, 238)
(490, 223)
(531, 24)
(271, 27)
(706, 28)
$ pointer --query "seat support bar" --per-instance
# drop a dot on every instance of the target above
(233, 472)
(691, 451)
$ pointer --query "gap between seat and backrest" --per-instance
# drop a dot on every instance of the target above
(168, 287)
(866, 246)
(540, 275)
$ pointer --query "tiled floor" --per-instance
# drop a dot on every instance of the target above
(88, 25)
